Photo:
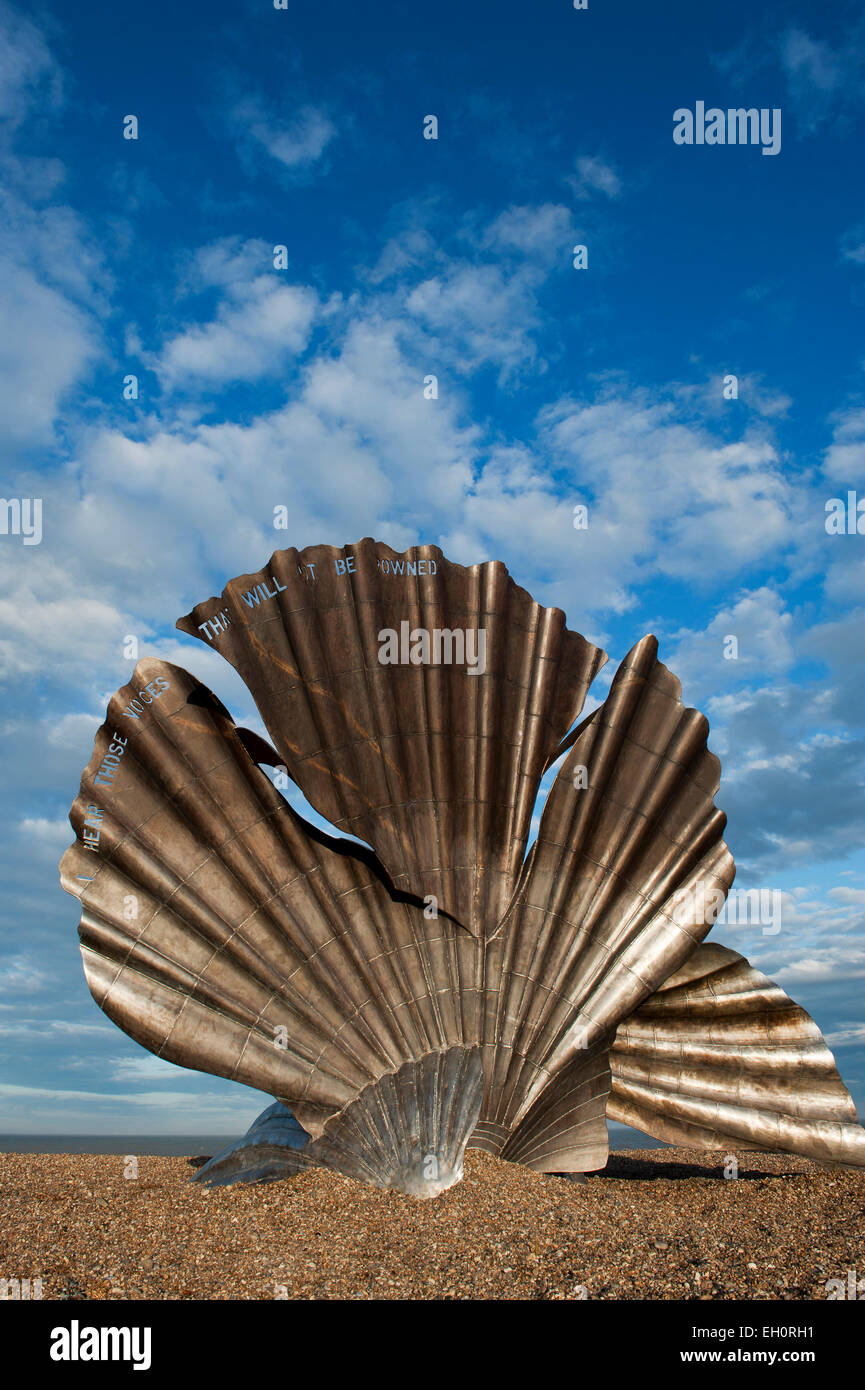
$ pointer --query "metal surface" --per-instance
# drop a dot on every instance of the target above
(407, 1132)
(438, 988)
(721, 1056)
(224, 934)
(616, 893)
(435, 767)
(275, 1146)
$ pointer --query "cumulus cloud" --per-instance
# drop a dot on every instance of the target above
(486, 313)
(844, 459)
(37, 1030)
(145, 1068)
(52, 344)
(259, 324)
(52, 833)
(792, 794)
(701, 491)
(853, 896)
(485, 307)
(45, 627)
(51, 272)
(824, 966)
(853, 1035)
(478, 298)
(763, 631)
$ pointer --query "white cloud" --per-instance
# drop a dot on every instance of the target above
(260, 324)
(825, 965)
(71, 730)
(844, 460)
(296, 145)
(595, 176)
(848, 895)
(51, 272)
(48, 629)
(662, 492)
(413, 248)
(811, 64)
(544, 232)
(851, 1036)
(853, 245)
(145, 1068)
(822, 81)
(482, 306)
(53, 833)
(482, 312)
(46, 344)
(228, 262)
(758, 397)
(19, 975)
(763, 630)
(28, 71)
(45, 1029)
(230, 1109)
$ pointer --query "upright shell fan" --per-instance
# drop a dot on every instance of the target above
(435, 763)
(440, 987)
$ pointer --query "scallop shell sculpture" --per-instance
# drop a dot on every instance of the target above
(437, 986)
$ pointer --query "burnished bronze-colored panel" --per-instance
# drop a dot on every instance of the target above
(434, 763)
(222, 933)
(565, 1130)
(721, 1056)
(627, 875)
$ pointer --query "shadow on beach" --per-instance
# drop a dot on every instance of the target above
(645, 1169)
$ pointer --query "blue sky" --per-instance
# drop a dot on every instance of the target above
(303, 386)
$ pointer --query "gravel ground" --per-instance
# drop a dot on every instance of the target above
(659, 1224)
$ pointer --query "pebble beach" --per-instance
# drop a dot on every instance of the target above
(657, 1224)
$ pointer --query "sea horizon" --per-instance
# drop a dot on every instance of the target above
(190, 1145)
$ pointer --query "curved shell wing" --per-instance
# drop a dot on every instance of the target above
(434, 761)
(721, 1056)
(626, 877)
(566, 1130)
(223, 933)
